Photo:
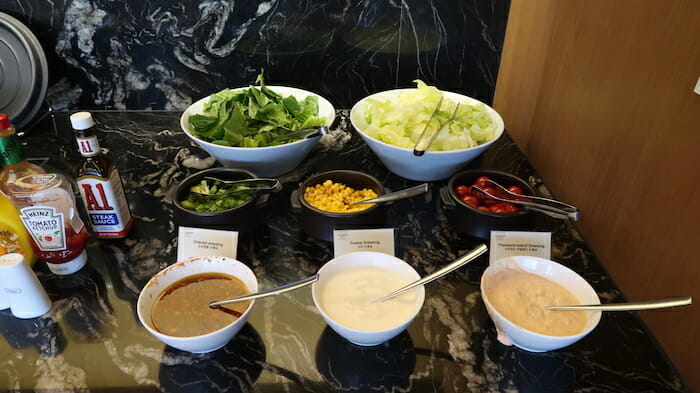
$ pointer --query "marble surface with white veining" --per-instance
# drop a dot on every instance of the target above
(91, 340)
(162, 54)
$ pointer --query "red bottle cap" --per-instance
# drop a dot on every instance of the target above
(4, 121)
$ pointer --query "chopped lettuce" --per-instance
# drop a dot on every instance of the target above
(254, 116)
(400, 120)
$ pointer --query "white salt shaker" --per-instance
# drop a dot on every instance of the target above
(21, 288)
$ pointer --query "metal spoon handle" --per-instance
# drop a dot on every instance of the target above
(471, 255)
(632, 306)
(268, 292)
(392, 196)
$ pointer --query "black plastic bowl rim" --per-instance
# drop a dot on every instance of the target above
(475, 173)
(333, 176)
(191, 179)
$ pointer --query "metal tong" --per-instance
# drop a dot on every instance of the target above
(426, 137)
(258, 185)
(550, 207)
(307, 133)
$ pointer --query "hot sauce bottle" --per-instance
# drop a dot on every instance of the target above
(47, 209)
(99, 183)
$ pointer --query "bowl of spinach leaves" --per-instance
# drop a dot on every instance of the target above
(247, 127)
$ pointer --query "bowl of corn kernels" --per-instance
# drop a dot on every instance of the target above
(325, 202)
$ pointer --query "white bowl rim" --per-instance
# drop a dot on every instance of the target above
(540, 335)
(419, 304)
(497, 117)
(271, 87)
(180, 264)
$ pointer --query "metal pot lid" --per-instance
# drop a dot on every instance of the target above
(23, 71)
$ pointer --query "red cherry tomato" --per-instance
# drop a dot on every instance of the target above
(498, 208)
(470, 200)
(490, 202)
(490, 190)
(515, 190)
(462, 190)
(509, 208)
(481, 181)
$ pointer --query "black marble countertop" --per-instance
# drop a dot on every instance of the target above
(91, 340)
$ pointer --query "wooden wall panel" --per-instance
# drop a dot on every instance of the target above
(599, 95)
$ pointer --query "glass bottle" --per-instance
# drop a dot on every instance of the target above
(99, 183)
(13, 161)
(47, 209)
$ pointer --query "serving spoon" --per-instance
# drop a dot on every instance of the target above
(630, 306)
(392, 196)
(471, 255)
(466, 258)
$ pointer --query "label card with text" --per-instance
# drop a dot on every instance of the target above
(198, 242)
(351, 240)
(511, 243)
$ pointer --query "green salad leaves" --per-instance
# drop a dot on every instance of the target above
(254, 117)
(400, 120)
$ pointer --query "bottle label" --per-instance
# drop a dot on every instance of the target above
(11, 150)
(46, 227)
(88, 146)
(9, 241)
(106, 205)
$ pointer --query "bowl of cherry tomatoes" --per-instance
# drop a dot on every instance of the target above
(475, 214)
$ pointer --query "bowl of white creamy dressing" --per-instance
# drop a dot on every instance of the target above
(346, 291)
(516, 291)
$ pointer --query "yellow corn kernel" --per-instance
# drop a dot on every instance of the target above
(337, 197)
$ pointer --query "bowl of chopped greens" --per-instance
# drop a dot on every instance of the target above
(391, 122)
(252, 127)
(201, 201)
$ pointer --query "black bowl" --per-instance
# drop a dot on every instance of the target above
(321, 224)
(241, 218)
(478, 223)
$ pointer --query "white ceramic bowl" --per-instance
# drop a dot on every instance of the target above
(263, 161)
(206, 342)
(366, 258)
(509, 333)
(431, 166)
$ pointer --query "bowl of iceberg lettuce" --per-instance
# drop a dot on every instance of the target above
(245, 128)
(390, 122)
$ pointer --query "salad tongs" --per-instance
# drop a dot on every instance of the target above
(426, 137)
(550, 207)
(258, 184)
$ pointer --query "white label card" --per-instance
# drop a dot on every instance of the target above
(352, 240)
(511, 243)
(198, 242)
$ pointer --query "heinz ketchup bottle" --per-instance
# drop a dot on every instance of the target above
(47, 209)
(99, 183)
